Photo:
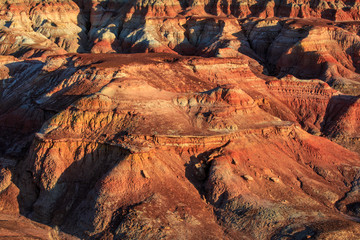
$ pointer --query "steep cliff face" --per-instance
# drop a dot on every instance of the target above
(218, 120)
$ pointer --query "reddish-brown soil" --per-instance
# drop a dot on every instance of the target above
(179, 120)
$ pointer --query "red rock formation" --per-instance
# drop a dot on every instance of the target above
(133, 156)
(216, 130)
(112, 26)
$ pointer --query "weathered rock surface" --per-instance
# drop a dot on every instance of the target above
(228, 120)
(311, 47)
(163, 146)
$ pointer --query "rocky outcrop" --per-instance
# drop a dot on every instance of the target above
(341, 121)
(218, 120)
(305, 48)
(163, 145)
(135, 26)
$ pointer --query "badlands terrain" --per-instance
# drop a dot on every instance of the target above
(179, 119)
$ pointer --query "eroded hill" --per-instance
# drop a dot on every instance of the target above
(237, 120)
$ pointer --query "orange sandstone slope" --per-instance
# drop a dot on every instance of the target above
(166, 146)
(235, 119)
(309, 39)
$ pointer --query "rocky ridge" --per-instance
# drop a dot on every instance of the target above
(237, 116)
(110, 159)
